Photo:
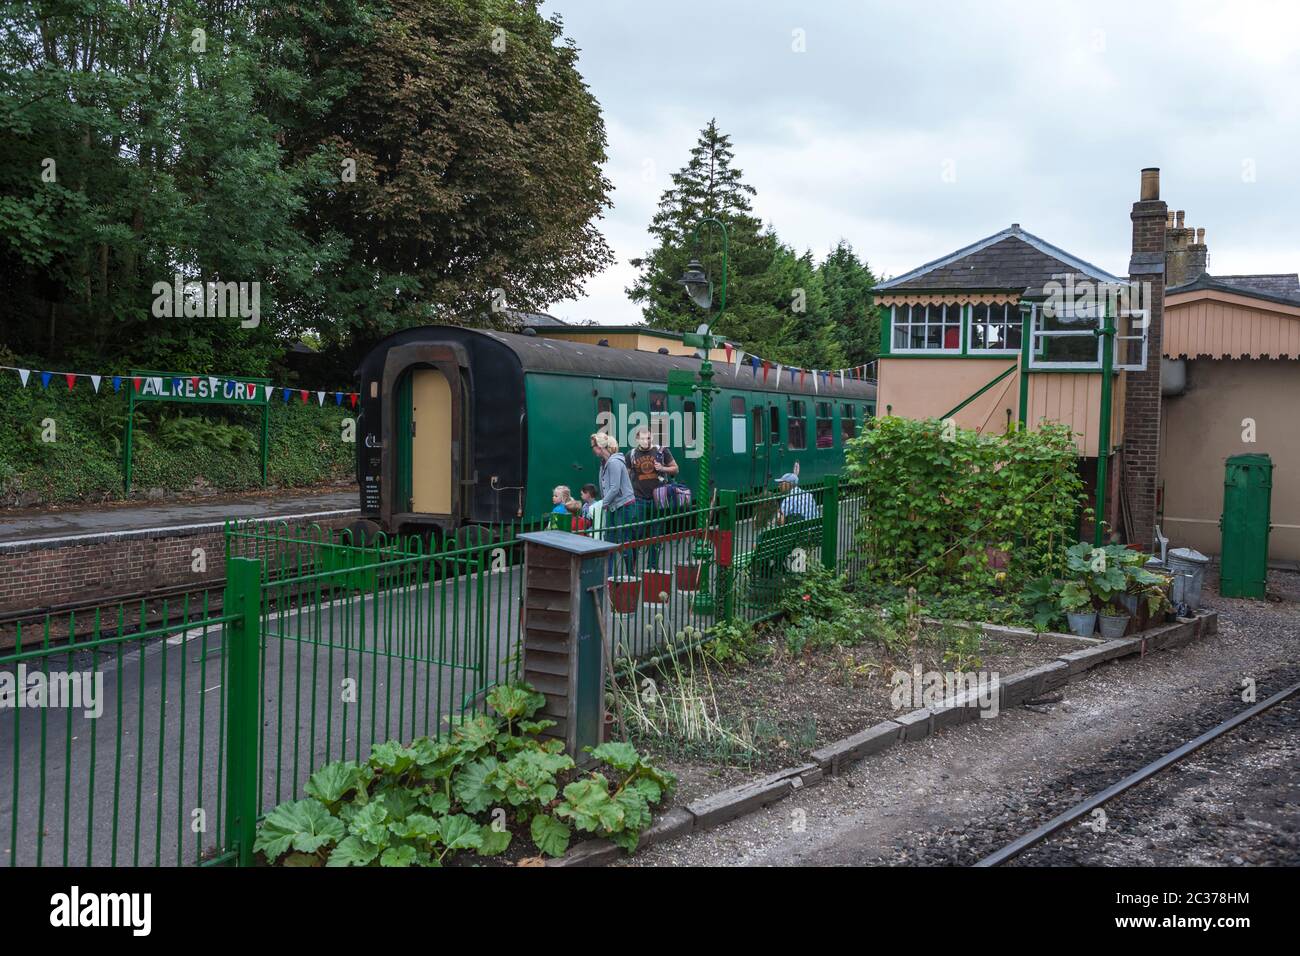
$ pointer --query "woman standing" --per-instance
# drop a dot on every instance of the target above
(616, 497)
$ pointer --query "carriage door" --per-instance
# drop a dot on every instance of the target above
(431, 446)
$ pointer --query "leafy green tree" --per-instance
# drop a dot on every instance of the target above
(846, 285)
(466, 154)
(774, 298)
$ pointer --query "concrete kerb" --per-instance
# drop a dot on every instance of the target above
(830, 760)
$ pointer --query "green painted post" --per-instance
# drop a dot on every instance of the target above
(831, 522)
(1026, 338)
(1107, 335)
(726, 576)
(243, 692)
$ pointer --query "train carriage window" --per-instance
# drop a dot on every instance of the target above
(825, 426)
(775, 418)
(604, 414)
(848, 423)
(659, 418)
(796, 426)
(759, 430)
(737, 425)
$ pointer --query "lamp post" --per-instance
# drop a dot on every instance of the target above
(699, 288)
(1107, 335)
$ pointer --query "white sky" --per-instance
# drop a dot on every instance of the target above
(1042, 113)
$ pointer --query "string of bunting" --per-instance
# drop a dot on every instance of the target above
(821, 378)
(216, 382)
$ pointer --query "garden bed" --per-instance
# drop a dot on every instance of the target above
(773, 712)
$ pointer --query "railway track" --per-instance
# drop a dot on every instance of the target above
(1087, 807)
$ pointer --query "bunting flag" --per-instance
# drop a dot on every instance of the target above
(45, 379)
(136, 382)
(117, 383)
(304, 393)
(740, 356)
(816, 375)
(352, 397)
(767, 365)
(270, 389)
(286, 395)
(320, 399)
(71, 379)
(24, 374)
(803, 375)
(727, 346)
(841, 378)
(780, 369)
(338, 398)
(94, 382)
(753, 365)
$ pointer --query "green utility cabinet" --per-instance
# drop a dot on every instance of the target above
(1247, 493)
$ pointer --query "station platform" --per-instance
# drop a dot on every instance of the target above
(84, 525)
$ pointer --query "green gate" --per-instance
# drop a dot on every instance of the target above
(1247, 491)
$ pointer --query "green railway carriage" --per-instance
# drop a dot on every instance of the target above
(463, 426)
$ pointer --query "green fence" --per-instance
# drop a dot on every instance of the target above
(201, 717)
(112, 748)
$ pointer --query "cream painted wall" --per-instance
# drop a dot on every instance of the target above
(1203, 426)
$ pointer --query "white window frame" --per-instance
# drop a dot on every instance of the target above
(944, 322)
(1145, 316)
(1037, 335)
(1008, 307)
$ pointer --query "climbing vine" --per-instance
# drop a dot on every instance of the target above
(949, 510)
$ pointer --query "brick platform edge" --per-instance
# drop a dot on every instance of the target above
(833, 758)
(49, 574)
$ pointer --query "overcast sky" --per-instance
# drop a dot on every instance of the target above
(913, 129)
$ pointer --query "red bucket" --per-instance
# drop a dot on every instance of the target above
(623, 593)
(656, 586)
(688, 577)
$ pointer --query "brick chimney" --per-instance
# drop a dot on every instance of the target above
(1141, 437)
(1186, 257)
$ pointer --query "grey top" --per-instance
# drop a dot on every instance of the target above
(615, 482)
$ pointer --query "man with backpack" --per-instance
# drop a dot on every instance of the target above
(650, 466)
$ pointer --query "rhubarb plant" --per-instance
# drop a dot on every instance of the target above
(423, 803)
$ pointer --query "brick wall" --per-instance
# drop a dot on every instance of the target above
(1141, 438)
(60, 573)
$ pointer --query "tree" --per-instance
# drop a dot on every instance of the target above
(467, 153)
(369, 164)
(773, 295)
(850, 309)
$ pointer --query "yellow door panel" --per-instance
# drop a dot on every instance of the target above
(430, 442)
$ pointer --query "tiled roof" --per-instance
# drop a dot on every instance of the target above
(1010, 259)
(1274, 287)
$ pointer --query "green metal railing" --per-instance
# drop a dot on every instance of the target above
(121, 761)
(322, 646)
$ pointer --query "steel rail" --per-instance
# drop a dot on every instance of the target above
(1015, 848)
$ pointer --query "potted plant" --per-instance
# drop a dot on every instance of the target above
(1076, 602)
(1114, 617)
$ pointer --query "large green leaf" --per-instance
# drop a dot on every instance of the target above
(550, 835)
(475, 786)
(515, 701)
(493, 841)
(619, 755)
(418, 826)
(460, 832)
(391, 757)
(332, 782)
(371, 824)
(584, 801)
(305, 825)
(353, 851)
(635, 807)
(398, 856)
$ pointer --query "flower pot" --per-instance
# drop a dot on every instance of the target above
(1082, 623)
(688, 577)
(624, 593)
(656, 586)
(1114, 625)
